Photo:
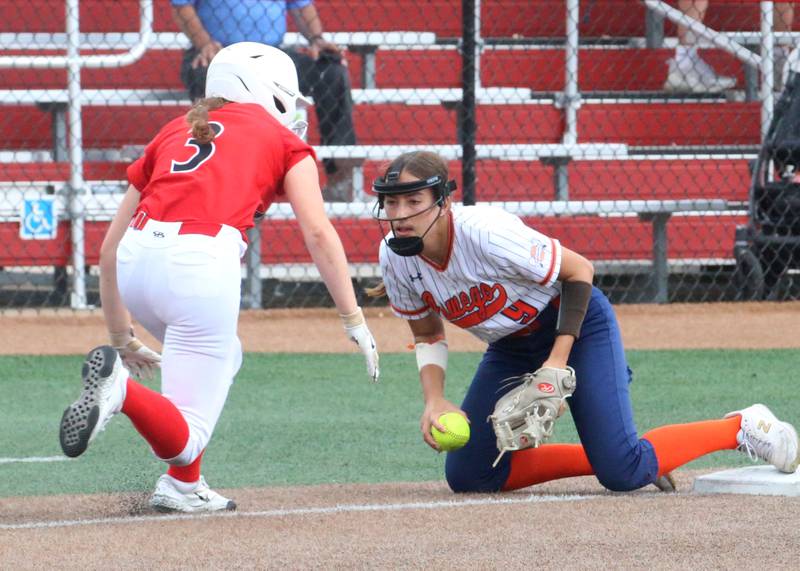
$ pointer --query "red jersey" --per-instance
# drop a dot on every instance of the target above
(225, 181)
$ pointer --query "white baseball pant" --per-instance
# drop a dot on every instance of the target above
(185, 290)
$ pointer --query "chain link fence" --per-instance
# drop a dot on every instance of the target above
(636, 132)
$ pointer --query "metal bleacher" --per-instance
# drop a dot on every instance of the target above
(638, 145)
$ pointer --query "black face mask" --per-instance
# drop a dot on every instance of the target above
(412, 245)
(406, 246)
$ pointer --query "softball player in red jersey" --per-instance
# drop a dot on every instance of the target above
(172, 258)
(531, 300)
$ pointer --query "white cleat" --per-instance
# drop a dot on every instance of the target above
(694, 75)
(763, 436)
(168, 498)
(104, 384)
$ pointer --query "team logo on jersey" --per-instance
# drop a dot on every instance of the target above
(546, 388)
(467, 309)
(538, 254)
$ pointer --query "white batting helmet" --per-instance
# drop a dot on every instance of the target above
(250, 72)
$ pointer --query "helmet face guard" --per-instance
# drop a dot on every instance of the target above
(388, 186)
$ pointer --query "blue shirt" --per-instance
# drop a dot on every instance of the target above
(231, 21)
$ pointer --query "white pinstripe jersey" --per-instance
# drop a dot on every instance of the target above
(499, 274)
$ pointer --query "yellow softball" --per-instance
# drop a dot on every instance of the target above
(456, 432)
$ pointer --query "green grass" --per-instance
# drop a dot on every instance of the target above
(309, 419)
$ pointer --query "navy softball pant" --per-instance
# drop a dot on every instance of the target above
(600, 406)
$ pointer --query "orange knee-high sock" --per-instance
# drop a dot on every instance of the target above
(156, 419)
(190, 473)
(677, 444)
(548, 462)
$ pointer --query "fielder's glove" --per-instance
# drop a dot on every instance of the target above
(138, 358)
(525, 416)
(356, 328)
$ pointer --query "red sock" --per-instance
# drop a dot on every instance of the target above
(188, 474)
(677, 444)
(545, 463)
(156, 419)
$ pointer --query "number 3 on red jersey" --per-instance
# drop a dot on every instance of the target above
(203, 151)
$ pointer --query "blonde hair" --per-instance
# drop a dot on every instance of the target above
(197, 117)
(376, 291)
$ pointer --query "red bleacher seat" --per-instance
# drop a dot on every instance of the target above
(541, 69)
(33, 172)
(95, 16)
(630, 179)
(157, 69)
(639, 124)
(500, 18)
(18, 252)
(538, 70)
(607, 70)
(613, 238)
(547, 18)
(498, 180)
(442, 17)
(671, 123)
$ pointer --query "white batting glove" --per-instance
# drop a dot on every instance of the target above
(138, 358)
(356, 328)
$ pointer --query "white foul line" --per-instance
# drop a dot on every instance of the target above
(33, 459)
(351, 508)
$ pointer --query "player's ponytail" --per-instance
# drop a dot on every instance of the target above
(378, 290)
(198, 118)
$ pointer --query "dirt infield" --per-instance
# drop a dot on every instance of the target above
(570, 524)
(674, 326)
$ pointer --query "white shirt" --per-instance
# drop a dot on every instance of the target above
(498, 274)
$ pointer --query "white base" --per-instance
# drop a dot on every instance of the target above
(753, 480)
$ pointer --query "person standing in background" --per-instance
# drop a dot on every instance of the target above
(688, 72)
(211, 25)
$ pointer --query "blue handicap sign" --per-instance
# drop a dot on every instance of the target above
(38, 220)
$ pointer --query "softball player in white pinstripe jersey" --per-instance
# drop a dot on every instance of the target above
(531, 299)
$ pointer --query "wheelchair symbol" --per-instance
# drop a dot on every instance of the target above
(38, 221)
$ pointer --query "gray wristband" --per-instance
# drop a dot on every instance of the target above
(574, 302)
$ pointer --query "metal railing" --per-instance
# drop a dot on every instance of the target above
(73, 62)
(763, 62)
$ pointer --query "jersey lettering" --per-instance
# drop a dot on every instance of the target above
(203, 151)
(469, 309)
(498, 278)
(521, 312)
